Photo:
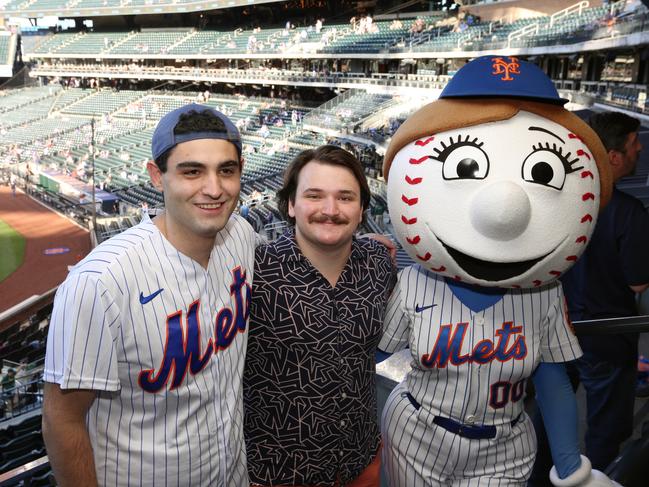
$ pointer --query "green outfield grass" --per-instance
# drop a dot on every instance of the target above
(12, 250)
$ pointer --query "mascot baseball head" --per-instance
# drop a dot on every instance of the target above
(495, 183)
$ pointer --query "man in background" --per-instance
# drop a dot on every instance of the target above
(604, 283)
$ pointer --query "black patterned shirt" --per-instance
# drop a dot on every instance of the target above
(309, 381)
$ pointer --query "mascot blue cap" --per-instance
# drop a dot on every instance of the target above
(502, 76)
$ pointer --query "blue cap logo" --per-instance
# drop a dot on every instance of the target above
(506, 68)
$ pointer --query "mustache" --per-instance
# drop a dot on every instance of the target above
(335, 219)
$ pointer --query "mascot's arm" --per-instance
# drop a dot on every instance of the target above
(556, 400)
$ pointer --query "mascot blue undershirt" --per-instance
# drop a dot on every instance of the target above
(494, 191)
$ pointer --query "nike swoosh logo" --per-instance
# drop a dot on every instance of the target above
(145, 299)
(419, 309)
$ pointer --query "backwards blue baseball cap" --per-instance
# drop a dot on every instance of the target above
(502, 76)
(164, 137)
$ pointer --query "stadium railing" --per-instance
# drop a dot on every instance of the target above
(248, 76)
(591, 30)
(630, 96)
(23, 475)
(345, 111)
(24, 397)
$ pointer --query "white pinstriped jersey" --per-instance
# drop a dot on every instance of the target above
(163, 341)
(472, 366)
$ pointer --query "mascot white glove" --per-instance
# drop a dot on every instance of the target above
(584, 476)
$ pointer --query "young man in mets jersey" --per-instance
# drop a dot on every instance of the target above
(148, 334)
(494, 190)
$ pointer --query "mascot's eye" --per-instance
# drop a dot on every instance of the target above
(547, 165)
(463, 159)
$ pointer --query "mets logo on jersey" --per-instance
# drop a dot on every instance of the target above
(448, 347)
(183, 343)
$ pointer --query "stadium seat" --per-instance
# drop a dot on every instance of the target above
(28, 425)
(22, 444)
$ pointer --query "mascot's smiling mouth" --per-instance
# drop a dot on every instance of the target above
(490, 271)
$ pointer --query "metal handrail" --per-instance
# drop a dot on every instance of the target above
(611, 326)
(22, 391)
(23, 472)
(578, 8)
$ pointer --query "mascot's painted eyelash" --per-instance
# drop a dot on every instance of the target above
(446, 149)
(568, 164)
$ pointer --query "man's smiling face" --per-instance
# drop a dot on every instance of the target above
(510, 203)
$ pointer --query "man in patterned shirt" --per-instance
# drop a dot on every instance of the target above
(318, 302)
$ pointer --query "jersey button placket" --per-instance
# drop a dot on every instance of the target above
(478, 322)
(476, 334)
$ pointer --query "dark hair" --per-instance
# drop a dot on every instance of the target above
(192, 121)
(325, 154)
(613, 128)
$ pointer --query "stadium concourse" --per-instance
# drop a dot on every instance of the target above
(80, 101)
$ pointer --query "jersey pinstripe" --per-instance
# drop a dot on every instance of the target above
(540, 313)
(163, 341)
(468, 366)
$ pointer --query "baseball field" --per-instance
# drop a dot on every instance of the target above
(37, 246)
(12, 250)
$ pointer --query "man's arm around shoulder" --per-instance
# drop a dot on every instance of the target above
(66, 435)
